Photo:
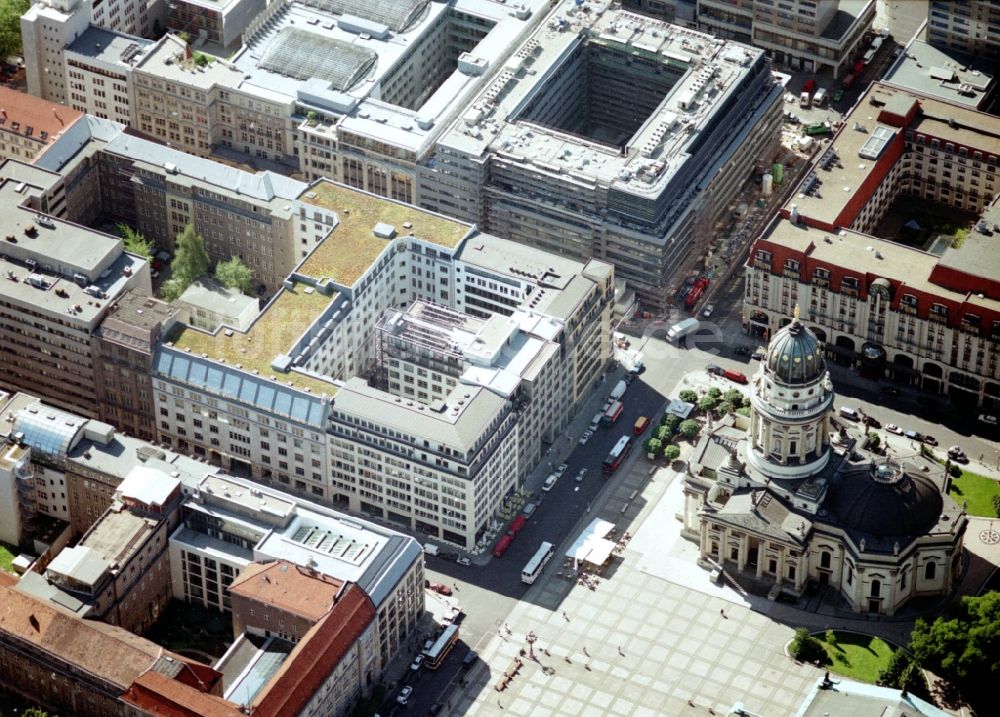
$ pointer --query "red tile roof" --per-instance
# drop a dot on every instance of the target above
(106, 651)
(293, 588)
(160, 695)
(6, 579)
(316, 656)
(34, 112)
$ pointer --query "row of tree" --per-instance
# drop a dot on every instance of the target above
(190, 262)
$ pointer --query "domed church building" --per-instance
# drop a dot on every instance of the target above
(793, 498)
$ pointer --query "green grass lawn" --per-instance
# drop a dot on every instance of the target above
(977, 491)
(860, 657)
(7, 555)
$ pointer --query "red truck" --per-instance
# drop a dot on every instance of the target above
(501, 547)
(848, 81)
(516, 526)
(735, 376)
(809, 85)
(696, 291)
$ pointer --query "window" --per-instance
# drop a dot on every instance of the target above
(930, 571)
(876, 588)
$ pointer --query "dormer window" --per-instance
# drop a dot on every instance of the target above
(939, 309)
(909, 300)
(791, 265)
(821, 273)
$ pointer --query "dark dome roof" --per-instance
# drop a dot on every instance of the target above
(794, 355)
(885, 501)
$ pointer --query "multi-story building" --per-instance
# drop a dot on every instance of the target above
(49, 27)
(117, 573)
(925, 315)
(98, 72)
(257, 217)
(545, 156)
(291, 407)
(228, 524)
(944, 74)
(972, 26)
(790, 499)
(810, 35)
(60, 280)
(209, 305)
(125, 341)
(29, 126)
(221, 24)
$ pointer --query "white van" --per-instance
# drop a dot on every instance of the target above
(549, 483)
(595, 422)
(820, 97)
(529, 509)
(430, 549)
(850, 414)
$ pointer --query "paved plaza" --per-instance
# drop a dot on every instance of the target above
(643, 642)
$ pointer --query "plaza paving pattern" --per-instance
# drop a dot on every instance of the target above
(640, 644)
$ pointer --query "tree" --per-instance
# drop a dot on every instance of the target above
(903, 673)
(672, 452)
(235, 274)
(190, 259)
(724, 408)
(688, 396)
(653, 446)
(734, 396)
(670, 421)
(744, 411)
(135, 242)
(689, 429)
(874, 441)
(664, 433)
(10, 26)
(996, 505)
(707, 403)
(715, 392)
(962, 644)
(35, 712)
(807, 648)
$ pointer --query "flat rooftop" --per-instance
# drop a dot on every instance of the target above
(864, 254)
(712, 71)
(107, 46)
(225, 491)
(943, 74)
(944, 120)
(352, 247)
(117, 534)
(848, 13)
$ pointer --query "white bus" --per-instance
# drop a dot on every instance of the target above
(535, 565)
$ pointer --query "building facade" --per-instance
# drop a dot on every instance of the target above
(924, 315)
(972, 27)
(794, 499)
(28, 125)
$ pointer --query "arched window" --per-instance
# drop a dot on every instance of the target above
(930, 571)
(876, 588)
(824, 559)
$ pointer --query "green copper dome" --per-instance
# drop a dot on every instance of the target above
(795, 356)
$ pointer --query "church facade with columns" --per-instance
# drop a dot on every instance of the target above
(791, 499)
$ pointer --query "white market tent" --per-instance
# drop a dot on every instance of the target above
(591, 546)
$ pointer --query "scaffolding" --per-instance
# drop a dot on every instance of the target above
(304, 55)
(397, 14)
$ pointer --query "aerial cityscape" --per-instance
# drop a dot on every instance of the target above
(537, 358)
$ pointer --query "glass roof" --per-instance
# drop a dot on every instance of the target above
(303, 55)
(48, 431)
(397, 14)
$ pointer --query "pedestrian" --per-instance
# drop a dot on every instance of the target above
(585, 651)
(565, 616)
(723, 613)
(620, 652)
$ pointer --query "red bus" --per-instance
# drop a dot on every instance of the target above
(501, 547)
(613, 413)
(515, 527)
(641, 424)
(696, 291)
(617, 455)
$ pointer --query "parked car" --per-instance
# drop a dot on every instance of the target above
(893, 428)
(581, 475)
(470, 658)
(988, 419)
(560, 469)
(439, 588)
(957, 454)
(464, 561)
(871, 421)
(585, 436)
(889, 391)
(913, 435)
(929, 440)
(549, 483)
(417, 662)
(707, 312)
(851, 414)
(714, 369)
(404, 695)
(838, 95)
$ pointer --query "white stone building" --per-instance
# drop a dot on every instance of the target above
(795, 500)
